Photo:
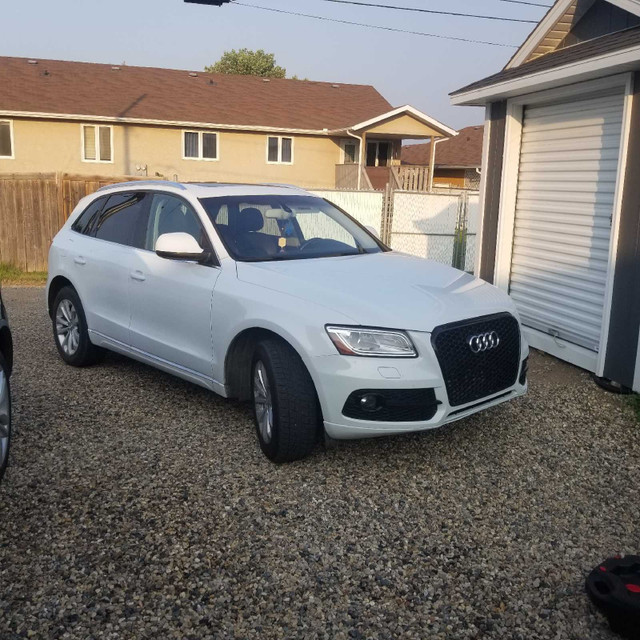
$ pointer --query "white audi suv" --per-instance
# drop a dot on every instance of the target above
(270, 294)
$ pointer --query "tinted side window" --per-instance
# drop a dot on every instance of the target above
(81, 225)
(121, 219)
(169, 214)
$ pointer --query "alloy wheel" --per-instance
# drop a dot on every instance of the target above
(262, 401)
(68, 327)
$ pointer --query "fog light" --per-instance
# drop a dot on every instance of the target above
(370, 402)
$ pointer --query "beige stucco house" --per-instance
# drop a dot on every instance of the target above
(108, 120)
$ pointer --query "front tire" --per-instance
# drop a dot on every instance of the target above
(285, 403)
(5, 416)
(70, 330)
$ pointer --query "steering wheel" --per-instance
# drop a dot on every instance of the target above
(309, 243)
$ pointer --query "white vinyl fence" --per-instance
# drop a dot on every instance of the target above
(365, 206)
(438, 226)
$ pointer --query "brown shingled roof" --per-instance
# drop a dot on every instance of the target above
(81, 88)
(464, 150)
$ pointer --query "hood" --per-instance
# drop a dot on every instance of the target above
(390, 289)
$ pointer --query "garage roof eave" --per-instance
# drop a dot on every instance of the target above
(596, 67)
(606, 55)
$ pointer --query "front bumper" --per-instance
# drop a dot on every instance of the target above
(336, 377)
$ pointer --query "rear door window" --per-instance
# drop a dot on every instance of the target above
(122, 219)
(83, 222)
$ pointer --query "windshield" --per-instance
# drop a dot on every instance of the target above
(283, 227)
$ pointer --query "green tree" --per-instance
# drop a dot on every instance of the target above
(246, 62)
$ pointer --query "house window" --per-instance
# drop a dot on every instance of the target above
(378, 154)
(6, 139)
(350, 152)
(200, 145)
(97, 143)
(279, 150)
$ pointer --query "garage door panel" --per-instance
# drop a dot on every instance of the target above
(574, 222)
(552, 194)
(566, 187)
(559, 123)
(555, 297)
(558, 210)
(571, 274)
(592, 183)
(560, 290)
(549, 319)
(558, 272)
(587, 255)
(599, 154)
(548, 168)
(564, 260)
(570, 179)
(571, 145)
(577, 106)
(602, 131)
(538, 230)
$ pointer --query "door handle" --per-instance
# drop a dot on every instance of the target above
(79, 260)
(138, 275)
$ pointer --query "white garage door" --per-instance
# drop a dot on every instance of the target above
(565, 199)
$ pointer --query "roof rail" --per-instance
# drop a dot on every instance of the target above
(139, 183)
(284, 185)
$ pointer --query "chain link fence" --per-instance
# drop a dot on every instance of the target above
(440, 227)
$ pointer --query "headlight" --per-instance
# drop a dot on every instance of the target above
(356, 341)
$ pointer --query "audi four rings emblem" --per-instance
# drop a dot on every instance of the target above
(484, 342)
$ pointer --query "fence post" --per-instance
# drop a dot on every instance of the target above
(460, 238)
(387, 214)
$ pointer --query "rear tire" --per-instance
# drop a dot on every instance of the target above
(5, 416)
(286, 410)
(70, 330)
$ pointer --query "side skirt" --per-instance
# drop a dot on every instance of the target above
(177, 370)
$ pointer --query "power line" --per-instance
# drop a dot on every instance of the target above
(442, 13)
(374, 26)
(531, 4)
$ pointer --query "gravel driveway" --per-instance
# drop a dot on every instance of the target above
(139, 506)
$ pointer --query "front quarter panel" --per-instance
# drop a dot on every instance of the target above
(238, 306)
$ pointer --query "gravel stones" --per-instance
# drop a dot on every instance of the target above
(137, 505)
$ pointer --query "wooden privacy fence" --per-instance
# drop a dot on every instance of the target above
(33, 207)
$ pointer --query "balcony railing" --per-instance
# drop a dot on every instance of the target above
(347, 177)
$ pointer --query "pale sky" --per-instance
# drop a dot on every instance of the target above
(405, 68)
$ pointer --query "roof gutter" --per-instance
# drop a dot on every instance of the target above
(165, 123)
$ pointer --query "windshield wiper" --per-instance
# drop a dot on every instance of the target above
(298, 257)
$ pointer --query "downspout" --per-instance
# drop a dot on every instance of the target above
(360, 146)
(432, 161)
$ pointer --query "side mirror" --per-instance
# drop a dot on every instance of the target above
(372, 231)
(179, 246)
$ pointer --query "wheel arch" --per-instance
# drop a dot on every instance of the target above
(239, 357)
(54, 287)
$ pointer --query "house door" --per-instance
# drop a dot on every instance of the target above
(378, 154)
(564, 207)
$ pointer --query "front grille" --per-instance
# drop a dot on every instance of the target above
(393, 405)
(470, 376)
